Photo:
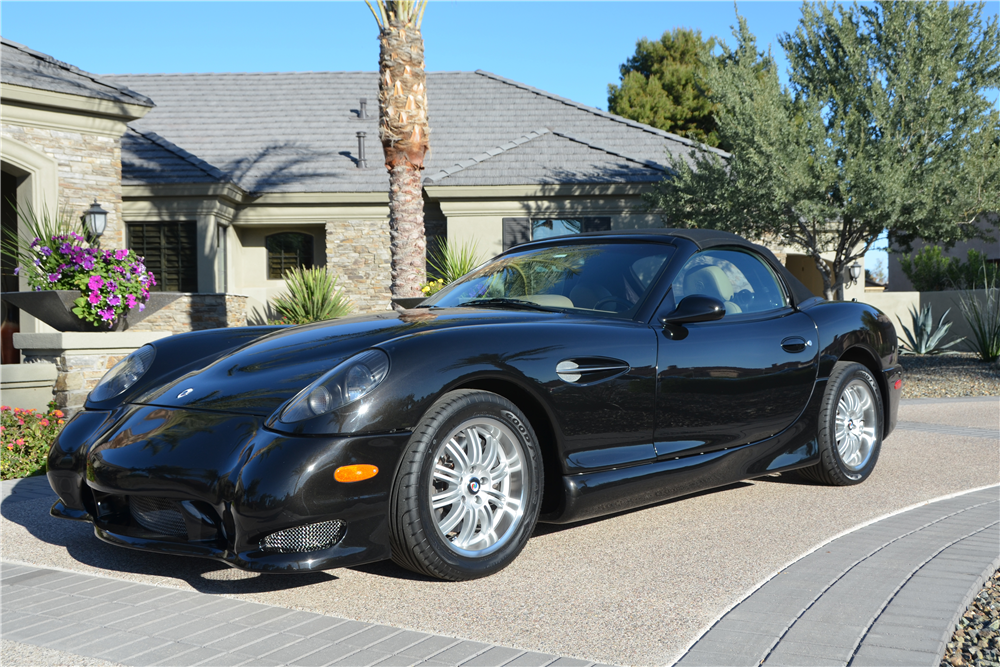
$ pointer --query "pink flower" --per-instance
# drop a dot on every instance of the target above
(94, 298)
(130, 300)
(19, 441)
(44, 422)
(96, 282)
(121, 254)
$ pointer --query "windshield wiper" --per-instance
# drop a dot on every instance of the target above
(507, 301)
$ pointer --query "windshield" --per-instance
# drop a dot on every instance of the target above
(610, 278)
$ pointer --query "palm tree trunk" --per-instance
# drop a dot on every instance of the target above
(403, 130)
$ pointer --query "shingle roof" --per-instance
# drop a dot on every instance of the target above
(296, 132)
(148, 158)
(21, 66)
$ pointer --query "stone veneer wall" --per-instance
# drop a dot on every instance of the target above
(358, 254)
(195, 312)
(90, 167)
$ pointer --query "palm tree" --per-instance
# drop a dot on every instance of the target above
(403, 129)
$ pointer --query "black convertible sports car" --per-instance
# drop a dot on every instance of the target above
(562, 380)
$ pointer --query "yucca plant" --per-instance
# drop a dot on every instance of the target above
(450, 261)
(983, 318)
(313, 296)
(20, 248)
(925, 337)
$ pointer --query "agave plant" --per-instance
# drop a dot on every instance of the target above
(983, 318)
(926, 338)
(313, 296)
(449, 261)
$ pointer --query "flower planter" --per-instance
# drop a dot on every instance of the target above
(55, 308)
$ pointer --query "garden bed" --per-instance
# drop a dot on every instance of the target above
(949, 376)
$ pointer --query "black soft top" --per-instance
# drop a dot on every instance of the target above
(710, 238)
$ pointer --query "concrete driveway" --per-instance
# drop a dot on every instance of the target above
(637, 588)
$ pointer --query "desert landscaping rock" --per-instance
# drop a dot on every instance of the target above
(976, 641)
(949, 376)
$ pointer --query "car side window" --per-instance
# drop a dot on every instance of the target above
(743, 282)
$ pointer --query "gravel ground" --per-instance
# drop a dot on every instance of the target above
(23, 655)
(949, 376)
(976, 641)
(630, 589)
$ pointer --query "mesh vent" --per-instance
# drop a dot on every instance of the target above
(158, 515)
(312, 537)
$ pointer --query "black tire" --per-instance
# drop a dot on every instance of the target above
(463, 422)
(847, 381)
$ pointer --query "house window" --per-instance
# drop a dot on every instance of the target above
(171, 252)
(521, 230)
(288, 250)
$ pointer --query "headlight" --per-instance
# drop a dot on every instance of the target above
(124, 374)
(345, 384)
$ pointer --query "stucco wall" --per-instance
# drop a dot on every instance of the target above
(897, 305)
(89, 167)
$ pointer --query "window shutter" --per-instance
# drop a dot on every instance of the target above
(516, 231)
(171, 252)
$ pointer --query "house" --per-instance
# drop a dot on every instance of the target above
(227, 180)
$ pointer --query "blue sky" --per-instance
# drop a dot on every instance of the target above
(572, 49)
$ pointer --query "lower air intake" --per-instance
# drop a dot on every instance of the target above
(312, 537)
(159, 515)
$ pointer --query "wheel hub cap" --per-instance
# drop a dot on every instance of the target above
(856, 425)
(478, 487)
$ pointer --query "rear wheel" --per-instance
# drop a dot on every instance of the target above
(466, 497)
(850, 427)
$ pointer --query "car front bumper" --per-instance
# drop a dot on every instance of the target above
(222, 486)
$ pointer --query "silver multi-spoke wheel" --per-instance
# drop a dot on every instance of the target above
(478, 487)
(857, 421)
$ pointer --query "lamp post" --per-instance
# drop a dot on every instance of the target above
(95, 219)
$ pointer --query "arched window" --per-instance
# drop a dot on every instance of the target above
(288, 250)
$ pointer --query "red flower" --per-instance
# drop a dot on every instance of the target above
(44, 422)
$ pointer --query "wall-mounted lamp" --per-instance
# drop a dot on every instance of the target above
(95, 219)
(855, 272)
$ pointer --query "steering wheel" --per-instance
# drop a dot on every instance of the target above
(614, 300)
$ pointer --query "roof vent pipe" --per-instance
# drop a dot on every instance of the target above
(362, 161)
(363, 108)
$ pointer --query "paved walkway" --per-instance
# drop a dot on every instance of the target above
(887, 593)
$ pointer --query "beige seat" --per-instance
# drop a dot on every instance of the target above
(712, 281)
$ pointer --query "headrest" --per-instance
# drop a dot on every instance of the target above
(710, 281)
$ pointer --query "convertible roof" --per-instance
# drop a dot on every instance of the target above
(710, 238)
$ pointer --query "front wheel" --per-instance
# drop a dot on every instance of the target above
(850, 427)
(466, 497)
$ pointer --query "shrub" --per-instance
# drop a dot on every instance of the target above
(26, 436)
(312, 296)
(449, 262)
(930, 271)
(925, 337)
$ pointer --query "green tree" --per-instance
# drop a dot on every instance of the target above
(885, 125)
(661, 86)
(404, 130)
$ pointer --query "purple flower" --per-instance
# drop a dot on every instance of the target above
(76, 236)
(38, 262)
(114, 300)
(130, 300)
(88, 263)
(35, 242)
(45, 250)
(142, 307)
(121, 254)
(65, 248)
(107, 314)
(112, 286)
(54, 277)
(96, 282)
(94, 298)
(107, 255)
(152, 279)
(17, 271)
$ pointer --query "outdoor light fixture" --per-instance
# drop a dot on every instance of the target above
(855, 272)
(95, 220)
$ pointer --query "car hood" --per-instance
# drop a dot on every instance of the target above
(258, 378)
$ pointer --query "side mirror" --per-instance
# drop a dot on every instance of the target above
(695, 308)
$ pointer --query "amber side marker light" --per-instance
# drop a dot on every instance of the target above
(355, 473)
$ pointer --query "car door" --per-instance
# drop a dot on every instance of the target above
(739, 379)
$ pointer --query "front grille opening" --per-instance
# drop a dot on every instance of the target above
(159, 515)
(311, 537)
